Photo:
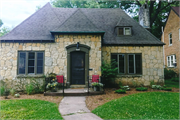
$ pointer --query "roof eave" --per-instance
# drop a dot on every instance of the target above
(78, 32)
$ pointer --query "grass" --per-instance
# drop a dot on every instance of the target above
(28, 109)
(170, 83)
(150, 105)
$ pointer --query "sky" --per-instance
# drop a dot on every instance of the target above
(13, 12)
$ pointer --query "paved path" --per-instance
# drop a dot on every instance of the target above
(74, 108)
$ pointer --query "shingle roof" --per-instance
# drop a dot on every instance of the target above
(176, 10)
(48, 19)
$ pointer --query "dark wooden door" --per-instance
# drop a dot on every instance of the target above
(77, 68)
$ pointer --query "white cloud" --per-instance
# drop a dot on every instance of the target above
(13, 12)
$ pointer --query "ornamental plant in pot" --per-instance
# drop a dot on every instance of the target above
(97, 86)
(52, 86)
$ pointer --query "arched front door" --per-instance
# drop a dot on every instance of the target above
(77, 64)
(77, 68)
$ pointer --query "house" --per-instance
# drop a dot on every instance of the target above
(171, 37)
(70, 41)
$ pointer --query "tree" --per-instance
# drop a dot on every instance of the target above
(158, 10)
(3, 30)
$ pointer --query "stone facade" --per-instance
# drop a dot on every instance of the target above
(172, 26)
(152, 63)
(56, 57)
(55, 54)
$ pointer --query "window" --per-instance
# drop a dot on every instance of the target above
(170, 39)
(171, 61)
(128, 63)
(30, 62)
(124, 31)
(179, 34)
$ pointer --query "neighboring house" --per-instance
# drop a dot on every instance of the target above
(70, 41)
(171, 38)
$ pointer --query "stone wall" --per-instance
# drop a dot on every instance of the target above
(152, 63)
(55, 54)
(172, 26)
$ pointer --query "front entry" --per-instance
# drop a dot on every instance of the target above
(77, 68)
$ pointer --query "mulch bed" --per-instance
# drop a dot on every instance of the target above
(54, 99)
(94, 101)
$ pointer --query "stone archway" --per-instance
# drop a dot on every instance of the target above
(77, 48)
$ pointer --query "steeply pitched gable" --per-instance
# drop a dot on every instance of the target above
(77, 22)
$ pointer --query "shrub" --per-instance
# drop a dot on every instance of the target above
(37, 86)
(29, 89)
(169, 73)
(168, 89)
(2, 89)
(141, 89)
(125, 87)
(12, 92)
(175, 79)
(120, 91)
(156, 86)
(109, 72)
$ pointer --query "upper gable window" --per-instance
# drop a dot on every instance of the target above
(124, 31)
(179, 33)
(170, 38)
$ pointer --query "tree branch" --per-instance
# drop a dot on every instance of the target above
(159, 10)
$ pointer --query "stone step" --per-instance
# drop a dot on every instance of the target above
(78, 86)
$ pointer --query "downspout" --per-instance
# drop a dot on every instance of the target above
(163, 46)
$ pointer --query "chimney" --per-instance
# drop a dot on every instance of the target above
(144, 18)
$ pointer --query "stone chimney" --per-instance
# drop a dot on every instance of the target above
(144, 18)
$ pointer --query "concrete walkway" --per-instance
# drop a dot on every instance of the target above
(74, 108)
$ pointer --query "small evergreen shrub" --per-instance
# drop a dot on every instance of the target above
(141, 89)
(120, 91)
(175, 79)
(2, 89)
(12, 92)
(29, 89)
(168, 89)
(168, 74)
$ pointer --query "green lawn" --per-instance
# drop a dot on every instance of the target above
(149, 105)
(28, 109)
(170, 83)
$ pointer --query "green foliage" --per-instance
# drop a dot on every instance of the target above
(12, 91)
(175, 79)
(29, 109)
(4, 30)
(29, 89)
(120, 91)
(149, 105)
(152, 82)
(1, 23)
(156, 86)
(109, 72)
(168, 74)
(2, 89)
(170, 83)
(125, 87)
(37, 85)
(141, 89)
(168, 89)
(96, 84)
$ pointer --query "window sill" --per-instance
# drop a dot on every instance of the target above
(170, 45)
(30, 76)
(129, 75)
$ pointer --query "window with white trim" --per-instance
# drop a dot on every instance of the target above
(124, 31)
(128, 63)
(171, 60)
(30, 62)
(170, 38)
